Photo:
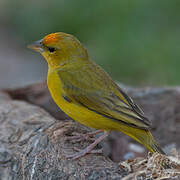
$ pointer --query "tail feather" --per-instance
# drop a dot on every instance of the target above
(144, 137)
(158, 149)
(153, 145)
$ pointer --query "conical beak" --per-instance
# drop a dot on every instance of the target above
(37, 46)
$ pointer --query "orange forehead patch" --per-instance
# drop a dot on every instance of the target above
(51, 38)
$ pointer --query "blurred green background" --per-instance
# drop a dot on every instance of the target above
(136, 42)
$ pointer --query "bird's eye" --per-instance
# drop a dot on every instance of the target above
(51, 49)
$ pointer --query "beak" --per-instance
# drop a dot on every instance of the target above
(37, 46)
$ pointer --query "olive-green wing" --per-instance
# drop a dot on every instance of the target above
(92, 88)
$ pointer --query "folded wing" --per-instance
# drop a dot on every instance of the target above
(95, 90)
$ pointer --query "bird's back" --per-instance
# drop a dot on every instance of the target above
(89, 86)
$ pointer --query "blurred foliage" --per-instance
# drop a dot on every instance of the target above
(137, 42)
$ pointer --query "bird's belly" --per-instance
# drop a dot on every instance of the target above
(81, 114)
(77, 112)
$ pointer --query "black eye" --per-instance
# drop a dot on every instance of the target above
(51, 49)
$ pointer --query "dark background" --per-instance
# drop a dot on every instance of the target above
(136, 42)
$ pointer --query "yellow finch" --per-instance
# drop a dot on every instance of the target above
(86, 93)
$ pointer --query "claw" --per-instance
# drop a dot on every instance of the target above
(88, 149)
(82, 137)
(95, 151)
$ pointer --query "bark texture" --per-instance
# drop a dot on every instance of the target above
(33, 143)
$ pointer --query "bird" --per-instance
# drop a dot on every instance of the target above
(87, 94)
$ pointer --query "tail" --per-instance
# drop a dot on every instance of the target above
(152, 144)
(144, 137)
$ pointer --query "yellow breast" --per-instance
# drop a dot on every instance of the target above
(75, 111)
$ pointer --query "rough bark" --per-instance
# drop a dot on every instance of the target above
(161, 106)
(33, 146)
(33, 143)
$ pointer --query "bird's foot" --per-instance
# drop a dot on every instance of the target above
(83, 152)
(88, 149)
(77, 137)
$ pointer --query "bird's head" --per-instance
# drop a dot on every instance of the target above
(60, 48)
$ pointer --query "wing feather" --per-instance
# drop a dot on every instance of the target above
(95, 90)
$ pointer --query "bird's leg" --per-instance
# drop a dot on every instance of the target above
(95, 151)
(81, 137)
(90, 148)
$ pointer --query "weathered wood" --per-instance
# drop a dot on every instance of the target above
(33, 146)
(33, 143)
(161, 106)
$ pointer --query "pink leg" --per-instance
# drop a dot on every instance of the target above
(80, 137)
(96, 151)
(88, 149)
